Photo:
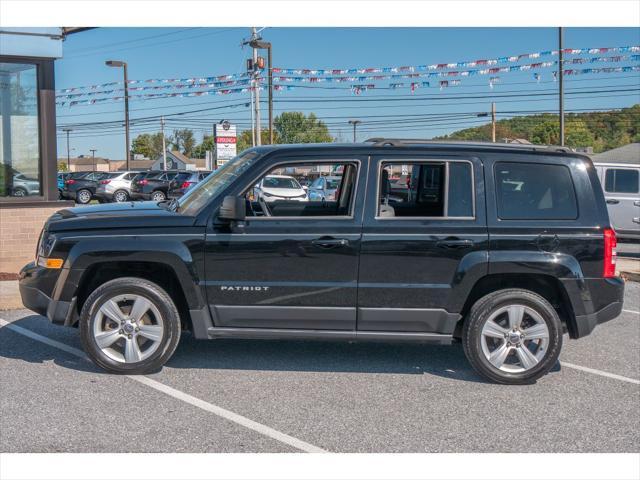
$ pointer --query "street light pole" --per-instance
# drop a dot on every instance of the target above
(67, 131)
(164, 145)
(355, 123)
(118, 64)
(93, 157)
(493, 122)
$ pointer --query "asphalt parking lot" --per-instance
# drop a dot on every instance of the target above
(277, 396)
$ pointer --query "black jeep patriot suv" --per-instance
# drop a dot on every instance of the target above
(503, 248)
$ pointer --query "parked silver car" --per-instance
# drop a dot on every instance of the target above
(24, 186)
(324, 188)
(116, 189)
(621, 185)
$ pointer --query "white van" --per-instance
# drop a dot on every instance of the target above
(621, 185)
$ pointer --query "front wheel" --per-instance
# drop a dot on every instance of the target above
(129, 325)
(512, 336)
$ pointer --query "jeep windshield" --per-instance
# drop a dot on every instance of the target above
(193, 201)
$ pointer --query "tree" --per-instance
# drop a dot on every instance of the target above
(244, 139)
(296, 127)
(149, 145)
(184, 141)
(62, 166)
(207, 145)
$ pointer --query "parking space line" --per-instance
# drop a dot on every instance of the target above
(631, 311)
(600, 372)
(179, 395)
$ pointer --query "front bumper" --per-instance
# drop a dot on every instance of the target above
(37, 285)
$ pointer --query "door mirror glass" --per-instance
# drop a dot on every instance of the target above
(233, 209)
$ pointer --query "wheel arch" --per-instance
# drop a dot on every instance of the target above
(547, 286)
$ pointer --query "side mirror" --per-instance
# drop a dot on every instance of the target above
(305, 188)
(233, 209)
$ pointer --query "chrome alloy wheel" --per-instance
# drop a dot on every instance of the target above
(84, 196)
(128, 328)
(515, 338)
(120, 196)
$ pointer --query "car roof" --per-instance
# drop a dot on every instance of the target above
(279, 176)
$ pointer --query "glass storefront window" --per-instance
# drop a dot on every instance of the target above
(19, 135)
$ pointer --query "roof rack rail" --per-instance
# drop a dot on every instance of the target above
(403, 142)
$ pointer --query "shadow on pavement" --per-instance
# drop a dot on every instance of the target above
(265, 355)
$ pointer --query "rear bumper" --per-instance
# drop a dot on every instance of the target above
(594, 301)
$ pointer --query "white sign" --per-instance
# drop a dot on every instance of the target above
(225, 139)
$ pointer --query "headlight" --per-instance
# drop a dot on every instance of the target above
(46, 244)
(268, 194)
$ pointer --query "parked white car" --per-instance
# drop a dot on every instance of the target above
(621, 185)
(280, 187)
(117, 188)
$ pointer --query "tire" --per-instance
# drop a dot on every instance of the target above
(120, 196)
(20, 192)
(83, 196)
(158, 196)
(156, 333)
(501, 354)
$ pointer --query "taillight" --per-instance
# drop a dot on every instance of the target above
(71, 181)
(143, 182)
(610, 253)
(104, 182)
(185, 185)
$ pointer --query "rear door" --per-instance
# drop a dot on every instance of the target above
(622, 193)
(422, 249)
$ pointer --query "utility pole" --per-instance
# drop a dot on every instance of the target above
(561, 83)
(256, 83)
(253, 121)
(67, 131)
(493, 122)
(164, 145)
(355, 123)
(93, 157)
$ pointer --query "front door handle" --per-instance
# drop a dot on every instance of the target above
(454, 243)
(637, 203)
(330, 242)
(613, 201)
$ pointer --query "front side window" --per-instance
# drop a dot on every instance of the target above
(19, 131)
(621, 180)
(534, 191)
(280, 193)
(434, 189)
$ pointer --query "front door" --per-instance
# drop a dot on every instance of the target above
(424, 243)
(294, 263)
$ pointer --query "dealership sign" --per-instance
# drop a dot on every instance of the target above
(226, 139)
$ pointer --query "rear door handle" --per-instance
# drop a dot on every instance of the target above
(613, 201)
(637, 203)
(454, 243)
(330, 242)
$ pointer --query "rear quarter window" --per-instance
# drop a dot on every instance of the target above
(534, 191)
(621, 180)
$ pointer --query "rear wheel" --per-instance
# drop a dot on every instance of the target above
(512, 336)
(120, 196)
(158, 196)
(129, 325)
(20, 192)
(83, 196)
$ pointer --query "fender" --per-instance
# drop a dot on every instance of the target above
(163, 249)
(471, 269)
(559, 265)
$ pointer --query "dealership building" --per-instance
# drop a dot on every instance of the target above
(28, 158)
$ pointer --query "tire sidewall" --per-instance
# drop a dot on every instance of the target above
(477, 318)
(151, 292)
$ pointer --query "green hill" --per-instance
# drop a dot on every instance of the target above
(600, 130)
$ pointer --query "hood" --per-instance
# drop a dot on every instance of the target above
(116, 215)
(284, 192)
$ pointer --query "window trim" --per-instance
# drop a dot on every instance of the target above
(352, 204)
(525, 219)
(604, 183)
(446, 162)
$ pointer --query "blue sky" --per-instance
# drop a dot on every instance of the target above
(196, 52)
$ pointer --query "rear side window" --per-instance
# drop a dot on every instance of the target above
(534, 191)
(621, 180)
(426, 190)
